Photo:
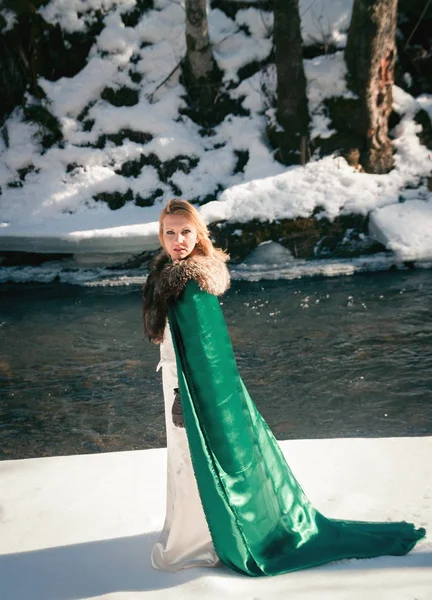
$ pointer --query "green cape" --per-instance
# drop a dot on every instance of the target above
(259, 518)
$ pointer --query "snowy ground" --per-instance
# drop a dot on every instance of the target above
(48, 197)
(80, 527)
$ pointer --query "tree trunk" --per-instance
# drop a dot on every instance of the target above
(292, 107)
(370, 56)
(202, 75)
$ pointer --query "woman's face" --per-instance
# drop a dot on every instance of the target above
(179, 236)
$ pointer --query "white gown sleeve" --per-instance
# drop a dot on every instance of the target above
(185, 539)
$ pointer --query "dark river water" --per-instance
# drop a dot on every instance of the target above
(322, 357)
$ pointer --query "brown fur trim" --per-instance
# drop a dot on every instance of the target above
(154, 309)
(167, 281)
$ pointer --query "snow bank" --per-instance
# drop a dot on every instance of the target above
(83, 526)
(404, 228)
(90, 231)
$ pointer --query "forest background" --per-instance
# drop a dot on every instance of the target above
(306, 123)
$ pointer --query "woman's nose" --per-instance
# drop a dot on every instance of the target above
(179, 237)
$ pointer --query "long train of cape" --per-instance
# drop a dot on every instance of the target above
(260, 520)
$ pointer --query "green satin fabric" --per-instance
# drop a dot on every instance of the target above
(259, 518)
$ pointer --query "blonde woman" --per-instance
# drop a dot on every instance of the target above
(231, 497)
(185, 540)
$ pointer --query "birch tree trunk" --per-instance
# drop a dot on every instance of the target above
(370, 56)
(201, 74)
(292, 107)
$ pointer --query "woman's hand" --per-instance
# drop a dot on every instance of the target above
(177, 411)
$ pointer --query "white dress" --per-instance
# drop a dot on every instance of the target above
(185, 539)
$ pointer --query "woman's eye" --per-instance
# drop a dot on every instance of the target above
(186, 231)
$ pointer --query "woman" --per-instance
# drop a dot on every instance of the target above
(240, 503)
(185, 540)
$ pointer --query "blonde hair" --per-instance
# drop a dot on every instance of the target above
(177, 206)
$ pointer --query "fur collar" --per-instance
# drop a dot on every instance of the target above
(167, 281)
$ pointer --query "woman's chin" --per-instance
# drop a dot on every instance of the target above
(180, 255)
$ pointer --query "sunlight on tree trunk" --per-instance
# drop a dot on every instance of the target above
(370, 55)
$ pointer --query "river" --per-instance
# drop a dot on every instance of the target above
(322, 357)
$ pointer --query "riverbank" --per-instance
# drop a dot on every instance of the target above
(78, 527)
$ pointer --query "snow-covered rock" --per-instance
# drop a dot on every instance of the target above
(405, 229)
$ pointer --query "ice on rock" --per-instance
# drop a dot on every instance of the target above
(269, 253)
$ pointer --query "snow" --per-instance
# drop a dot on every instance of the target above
(325, 77)
(116, 38)
(96, 231)
(165, 24)
(83, 526)
(325, 21)
(69, 95)
(405, 229)
(258, 28)
(234, 49)
(22, 146)
(156, 121)
(425, 102)
(329, 184)
(10, 20)
(54, 206)
(76, 15)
